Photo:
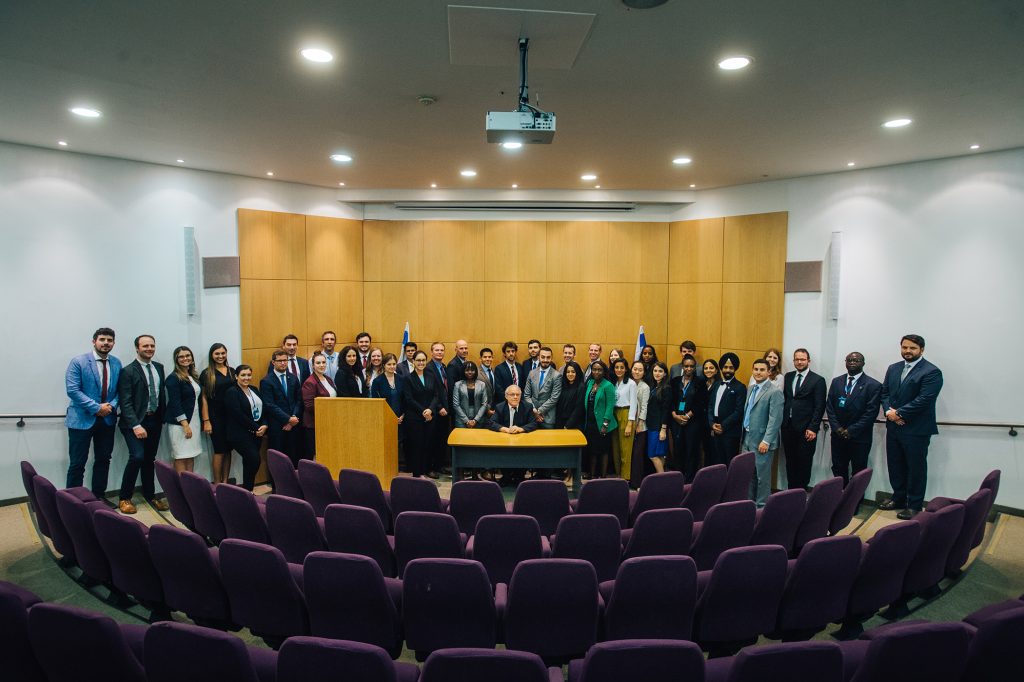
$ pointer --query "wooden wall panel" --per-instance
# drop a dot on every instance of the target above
(695, 313)
(630, 305)
(575, 310)
(755, 248)
(271, 245)
(510, 310)
(452, 309)
(637, 252)
(392, 251)
(752, 315)
(387, 306)
(695, 250)
(577, 251)
(270, 309)
(453, 250)
(514, 251)
(337, 306)
(334, 249)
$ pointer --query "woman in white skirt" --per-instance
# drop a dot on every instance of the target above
(183, 417)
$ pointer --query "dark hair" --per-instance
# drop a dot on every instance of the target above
(210, 383)
(344, 352)
(625, 377)
(184, 374)
(533, 341)
(291, 336)
(362, 334)
(604, 369)
(242, 368)
(579, 373)
(759, 361)
(312, 357)
(718, 371)
(103, 331)
(693, 359)
(569, 345)
(661, 387)
(800, 350)
(547, 348)
(143, 336)
(913, 338)
(419, 353)
(277, 354)
(411, 344)
(387, 358)
(727, 357)
(486, 350)
(690, 345)
(653, 350)
(469, 364)
(509, 344)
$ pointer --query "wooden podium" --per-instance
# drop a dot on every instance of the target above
(357, 433)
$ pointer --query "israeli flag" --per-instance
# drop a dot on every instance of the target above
(405, 336)
(641, 341)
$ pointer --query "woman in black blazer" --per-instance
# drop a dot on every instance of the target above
(183, 418)
(246, 423)
(422, 396)
(349, 377)
(689, 410)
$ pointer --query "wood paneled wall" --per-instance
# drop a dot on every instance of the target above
(716, 281)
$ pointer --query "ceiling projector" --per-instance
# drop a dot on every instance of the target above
(527, 124)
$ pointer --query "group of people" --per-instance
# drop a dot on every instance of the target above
(638, 417)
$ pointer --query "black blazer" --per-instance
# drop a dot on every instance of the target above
(455, 375)
(524, 417)
(238, 412)
(803, 411)
(278, 406)
(422, 395)
(503, 379)
(133, 393)
(696, 401)
(304, 370)
(435, 373)
(914, 399)
(861, 408)
(730, 410)
(347, 385)
(571, 410)
(181, 399)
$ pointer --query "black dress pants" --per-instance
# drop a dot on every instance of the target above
(799, 456)
(847, 454)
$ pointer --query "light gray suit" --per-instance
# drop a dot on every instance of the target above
(464, 410)
(763, 419)
(544, 397)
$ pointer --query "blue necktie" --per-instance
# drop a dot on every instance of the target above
(541, 378)
(750, 403)
(284, 385)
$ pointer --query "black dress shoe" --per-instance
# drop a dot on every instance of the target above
(888, 505)
(908, 514)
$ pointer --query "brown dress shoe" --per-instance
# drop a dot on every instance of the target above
(126, 507)
(159, 504)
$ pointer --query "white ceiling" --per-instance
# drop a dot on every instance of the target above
(220, 84)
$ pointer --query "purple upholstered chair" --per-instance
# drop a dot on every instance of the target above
(415, 494)
(653, 596)
(727, 525)
(990, 482)
(939, 531)
(741, 598)
(264, 590)
(546, 501)
(476, 665)
(591, 537)
(420, 535)
(77, 519)
(789, 662)
(821, 505)
(318, 486)
(472, 500)
(358, 530)
(975, 514)
(659, 532)
(180, 651)
(779, 519)
(552, 608)
(28, 472)
(74, 644)
(737, 482)
(447, 603)
(660, 491)
(818, 586)
(243, 517)
(124, 541)
(294, 528)
(936, 652)
(282, 472)
(976, 618)
(199, 494)
(650, 660)
(349, 598)
(170, 481)
(502, 541)
(604, 496)
(706, 490)
(303, 659)
(995, 647)
(46, 499)
(363, 489)
(19, 661)
(190, 575)
(853, 493)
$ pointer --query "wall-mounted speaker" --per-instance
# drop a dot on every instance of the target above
(835, 260)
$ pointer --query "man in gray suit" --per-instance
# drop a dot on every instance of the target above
(761, 421)
(543, 388)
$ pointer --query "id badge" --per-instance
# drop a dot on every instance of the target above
(842, 401)
(682, 407)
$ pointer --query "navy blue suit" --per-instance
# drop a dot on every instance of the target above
(280, 407)
(730, 416)
(906, 447)
(856, 412)
(802, 412)
(503, 379)
(523, 417)
(303, 364)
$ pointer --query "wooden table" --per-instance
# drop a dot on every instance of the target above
(540, 449)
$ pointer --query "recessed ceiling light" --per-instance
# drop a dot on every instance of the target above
(897, 123)
(181, 160)
(734, 63)
(62, 143)
(973, 146)
(682, 160)
(315, 54)
(341, 184)
(468, 173)
(86, 112)
(515, 186)
(270, 173)
(433, 185)
(851, 164)
(692, 186)
(341, 158)
(588, 176)
(512, 145)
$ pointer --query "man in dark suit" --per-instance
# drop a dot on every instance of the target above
(282, 402)
(514, 415)
(442, 425)
(852, 406)
(508, 373)
(726, 402)
(455, 366)
(363, 341)
(908, 397)
(532, 361)
(804, 392)
(297, 367)
(140, 388)
(405, 366)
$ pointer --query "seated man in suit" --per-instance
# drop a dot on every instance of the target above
(282, 402)
(761, 421)
(513, 415)
(852, 406)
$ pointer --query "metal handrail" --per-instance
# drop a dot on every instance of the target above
(22, 417)
(981, 425)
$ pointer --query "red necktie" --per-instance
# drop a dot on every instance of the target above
(515, 377)
(106, 378)
(293, 367)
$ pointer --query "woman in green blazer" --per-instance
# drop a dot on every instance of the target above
(599, 422)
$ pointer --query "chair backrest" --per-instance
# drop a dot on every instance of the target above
(46, 499)
(991, 482)
(243, 519)
(447, 603)
(72, 644)
(181, 651)
(653, 596)
(19, 661)
(778, 521)
(853, 493)
(363, 488)
(552, 608)
(414, 494)
(188, 574)
(502, 541)
(199, 494)
(818, 661)
(318, 486)
(77, 518)
(591, 537)
(348, 598)
(706, 490)
(262, 590)
(819, 583)
(426, 535)
(471, 500)
(293, 527)
(737, 482)
(727, 525)
(28, 472)
(742, 598)
(302, 659)
(936, 652)
(170, 481)
(493, 665)
(661, 491)
(883, 565)
(995, 647)
(821, 504)
(660, 532)
(358, 530)
(605, 496)
(546, 501)
(976, 509)
(939, 531)
(282, 472)
(123, 540)
(651, 660)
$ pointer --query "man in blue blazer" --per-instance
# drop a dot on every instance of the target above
(852, 406)
(282, 402)
(91, 384)
(726, 401)
(909, 393)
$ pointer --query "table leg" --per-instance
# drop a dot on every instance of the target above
(576, 474)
